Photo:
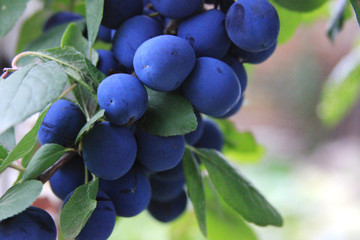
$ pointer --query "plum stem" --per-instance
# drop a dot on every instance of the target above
(16, 167)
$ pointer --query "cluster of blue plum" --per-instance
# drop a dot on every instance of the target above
(179, 46)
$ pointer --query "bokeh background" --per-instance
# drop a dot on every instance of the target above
(309, 172)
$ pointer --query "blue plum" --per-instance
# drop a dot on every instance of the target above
(101, 222)
(107, 63)
(162, 63)
(177, 9)
(252, 57)
(235, 109)
(61, 124)
(117, 11)
(252, 25)
(130, 194)
(159, 153)
(123, 97)
(69, 177)
(213, 87)
(174, 173)
(238, 69)
(170, 210)
(194, 136)
(31, 224)
(104, 34)
(212, 136)
(164, 190)
(60, 18)
(206, 33)
(109, 151)
(131, 34)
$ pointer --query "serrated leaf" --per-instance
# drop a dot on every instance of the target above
(168, 114)
(94, 14)
(7, 139)
(10, 12)
(341, 90)
(73, 38)
(28, 91)
(240, 146)
(195, 188)
(301, 6)
(89, 124)
(18, 198)
(25, 145)
(356, 5)
(337, 19)
(44, 158)
(237, 192)
(78, 209)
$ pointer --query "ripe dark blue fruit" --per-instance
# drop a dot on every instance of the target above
(131, 34)
(60, 18)
(104, 34)
(206, 33)
(101, 222)
(213, 87)
(194, 136)
(61, 124)
(109, 151)
(175, 173)
(130, 194)
(175, 8)
(168, 211)
(252, 25)
(159, 153)
(238, 69)
(123, 97)
(235, 109)
(162, 63)
(69, 177)
(117, 11)
(31, 224)
(107, 63)
(165, 190)
(212, 136)
(253, 57)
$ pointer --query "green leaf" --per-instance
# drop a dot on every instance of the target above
(195, 188)
(94, 14)
(25, 145)
(78, 209)
(3, 153)
(236, 191)
(356, 5)
(18, 198)
(222, 220)
(7, 139)
(73, 38)
(301, 6)
(10, 11)
(341, 90)
(44, 158)
(168, 114)
(31, 29)
(28, 91)
(89, 124)
(240, 146)
(26, 159)
(338, 17)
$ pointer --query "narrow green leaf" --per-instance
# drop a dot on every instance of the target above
(28, 91)
(10, 12)
(73, 38)
(356, 5)
(3, 153)
(94, 14)
(44, 158)
(18, 198)
(168, 114)
(337, 19)
(341, 90)
(301, 6)
(7, 139)
(26, 159)
(78, 209)
(89, 124)
(25, 145)
(195, 188)
(237, 192)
